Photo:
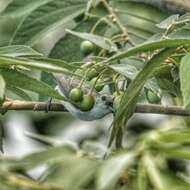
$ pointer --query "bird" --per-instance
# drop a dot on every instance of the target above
(101, 108)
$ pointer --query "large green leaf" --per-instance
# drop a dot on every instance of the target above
(184, 79)
(47, 18)
(20, 80)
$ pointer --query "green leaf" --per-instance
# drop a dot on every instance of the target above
(56, 62)
(176, 153)
(129, 99)
(102, 42)
(162, 180)
(41, 65)
(176, 39)
(2, 89)
(47, 18)
(112, 169)
(165, 24)
(23, 81)
(142, 181)
(126, 70)
(18, 50)
(153, 172)
(184, 80)
(178, 136)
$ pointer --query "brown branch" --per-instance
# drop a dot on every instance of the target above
(57, 107)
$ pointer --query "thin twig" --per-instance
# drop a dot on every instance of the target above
(57, 107)
(117, 21)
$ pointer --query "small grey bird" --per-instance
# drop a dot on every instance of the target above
(102, 106)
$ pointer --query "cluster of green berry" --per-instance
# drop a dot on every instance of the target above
(86, 101)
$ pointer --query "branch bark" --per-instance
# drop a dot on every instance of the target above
(57, 107)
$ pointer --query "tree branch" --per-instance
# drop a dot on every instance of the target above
(57, 107)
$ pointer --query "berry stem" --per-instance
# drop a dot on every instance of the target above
(117, 21)
(98, 77)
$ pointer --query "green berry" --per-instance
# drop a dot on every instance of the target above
(76, 94)
(152, 97)
(92, 74)
(86, 47)
(87, 103)
(98, 87)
